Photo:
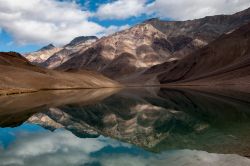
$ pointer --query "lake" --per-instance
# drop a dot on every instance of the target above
(126, 127)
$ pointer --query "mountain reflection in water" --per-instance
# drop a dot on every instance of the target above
(125, 126)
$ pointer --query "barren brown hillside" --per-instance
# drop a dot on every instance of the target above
(18, 75)
(224, 61)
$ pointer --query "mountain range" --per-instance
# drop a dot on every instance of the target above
(209, 51)
(42, 54)
(224, 61)
(51, 56)
(140, 54)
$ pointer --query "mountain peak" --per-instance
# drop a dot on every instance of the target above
(81, 39)
(151, 20)
(48, 47)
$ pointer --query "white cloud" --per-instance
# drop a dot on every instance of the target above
(57, 22)
(121, 9)
(174, 9)
(61, 148)
(46, 21)
(191, 9)
(112, 29)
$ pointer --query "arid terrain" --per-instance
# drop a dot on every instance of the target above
(127, 55)
(19, 75)
(124, 83)
(209, 51)
(224, 61)
(52, 57)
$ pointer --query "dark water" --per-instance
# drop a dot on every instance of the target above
(110, 127)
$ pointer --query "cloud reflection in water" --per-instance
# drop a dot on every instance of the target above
(35, 146)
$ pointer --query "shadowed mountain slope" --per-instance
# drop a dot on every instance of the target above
(224, 61)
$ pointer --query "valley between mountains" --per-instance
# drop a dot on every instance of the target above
(212, 51)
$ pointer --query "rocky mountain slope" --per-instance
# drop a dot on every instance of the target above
(17, 74)
(43, 54)
(79, 43)
(51, 56)
(125, 55)
(224, 61)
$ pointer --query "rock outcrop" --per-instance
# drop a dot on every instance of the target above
(51, 56)
(68, 51)
(42, 55)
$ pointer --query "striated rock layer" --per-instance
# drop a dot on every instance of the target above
(68, 51)
(125, 55)
(42, 55)
(224, 61)
(51, 56)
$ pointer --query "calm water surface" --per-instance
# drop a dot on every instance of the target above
(110, 127)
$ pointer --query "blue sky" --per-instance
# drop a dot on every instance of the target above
(28, 25)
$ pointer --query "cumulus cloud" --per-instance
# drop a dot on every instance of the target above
(191, 9)
(173, 9)
(58, 22)
(121, 9)
(46, 21)
(111, 29)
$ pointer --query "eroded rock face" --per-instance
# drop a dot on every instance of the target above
(68, 51)
(42, 55)
(125, 55)
(122, 53)
(51, 56)
(81, 40)
(224, 61)
(128, 52)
